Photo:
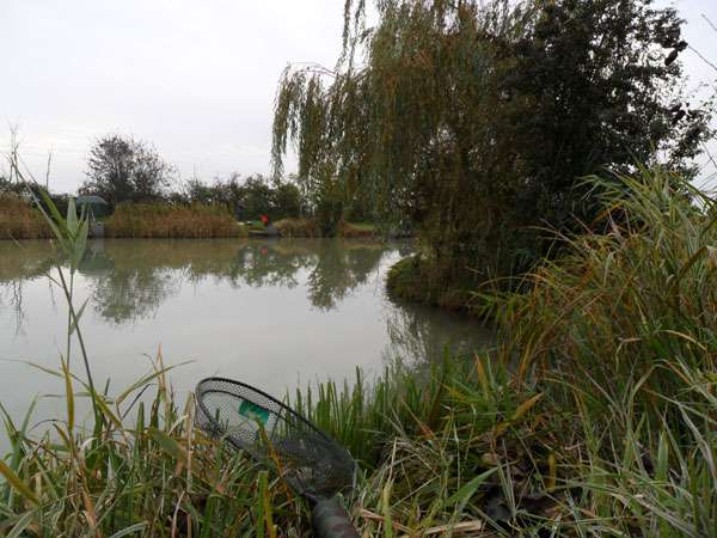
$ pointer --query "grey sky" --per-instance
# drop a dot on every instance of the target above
(701, 77)
(195, 78)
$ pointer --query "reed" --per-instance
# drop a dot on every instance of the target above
(196, 221)
(303, 227)
(622, 331)
(151, 475)
(618, 312)
(18, 220)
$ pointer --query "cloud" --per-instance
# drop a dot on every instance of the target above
(195, 78)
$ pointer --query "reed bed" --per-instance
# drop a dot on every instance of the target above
(152, 475)
(18, 220)
(621, 331)
(595, 416)
(629, 317)
(152, 221)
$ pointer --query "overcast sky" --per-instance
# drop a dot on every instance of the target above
(195, 78)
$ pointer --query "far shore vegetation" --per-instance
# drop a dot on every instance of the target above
(20, 220)
(144, 205)
(541, 152)
(153, 220)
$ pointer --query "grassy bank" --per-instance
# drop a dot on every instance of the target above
(356, 230)
(413, 280)
(304, 227)
(18, 220)
(297, 227)
(595, 416)
(167, 221)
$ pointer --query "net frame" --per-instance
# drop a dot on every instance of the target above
(311, 461)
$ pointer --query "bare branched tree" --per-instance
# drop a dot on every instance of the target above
(123, 169)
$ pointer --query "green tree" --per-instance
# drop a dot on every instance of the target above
(122, 169)
(597, 88)
(287, 200)
(254, 195)
(257, 197)
(475, 121)
(196, 191)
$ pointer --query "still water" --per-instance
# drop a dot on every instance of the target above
(276, 314)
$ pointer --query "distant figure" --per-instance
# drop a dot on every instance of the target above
(265, 220)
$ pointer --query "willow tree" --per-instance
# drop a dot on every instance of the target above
(474, 120)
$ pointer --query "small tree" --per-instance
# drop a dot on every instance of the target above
(122, 169)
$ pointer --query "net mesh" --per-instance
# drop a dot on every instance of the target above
(251, 420)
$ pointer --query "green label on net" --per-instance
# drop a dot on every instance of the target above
(254, 411)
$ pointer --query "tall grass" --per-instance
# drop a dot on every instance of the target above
(450, 449)
(304, 227)
(196, 221)
(356, 230)
(622, 331)
(150, 475)
(616, 314)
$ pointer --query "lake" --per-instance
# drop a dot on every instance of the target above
(276, 314)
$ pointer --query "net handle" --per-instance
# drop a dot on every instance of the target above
(330, 520)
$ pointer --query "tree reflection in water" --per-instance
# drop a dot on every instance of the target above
(423, 332)
(19, 263)
(131, 279)
(128, 280)
(124, 286)
(340, 268)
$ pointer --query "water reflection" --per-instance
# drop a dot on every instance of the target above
(19, 264)
(129, 280)
(418, 332)
(24, 261)
(274, 314)
(338, 270)
(130, 283)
